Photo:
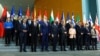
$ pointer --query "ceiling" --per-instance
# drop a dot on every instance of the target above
(17, 4)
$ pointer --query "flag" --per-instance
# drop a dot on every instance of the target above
(39, 15)
(51, 17)
(72, 20)
(90, 20)
(20, 12)
(1, 30)
(34, 15)
(68, 18)
(28, 12)
(99, 31)
(97, 28)
(45, 15)
(63, 18)
(1, 9)
(77, 18)
(84, 19)
(57, 17)
(4, 13)
(12, 14)
(8, 14)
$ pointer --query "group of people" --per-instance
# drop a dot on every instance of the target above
(28, 32)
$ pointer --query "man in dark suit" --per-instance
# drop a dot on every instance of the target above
(17, 30)
(54, 33)
(87, 37)
(44, 33)
(23, 35)
(13, 32)
(59, 27)
(33, 33)
(63, 37)
(67, 26)
(78, 36)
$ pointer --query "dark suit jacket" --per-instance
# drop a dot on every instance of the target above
(17, 25)
(78, 30)
(54, 30)
(33, 29)
(22, 27)
(45, 28)
(63, 35)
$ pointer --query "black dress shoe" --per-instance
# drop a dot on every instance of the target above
(25, 51)
(47, 50)
(34, 51)
(20, 51)
(42, 50)
(31, 50)
(65, 50)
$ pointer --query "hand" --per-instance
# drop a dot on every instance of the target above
(15, 31)
(41, 34)
(81, 33)
(52, 36)
(58, 35)
(49, 34)
(24, 30)
(65, 32)
(30, 34)
(38, 34)
(88, 33)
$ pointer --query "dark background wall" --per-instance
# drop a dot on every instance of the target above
(70, 6)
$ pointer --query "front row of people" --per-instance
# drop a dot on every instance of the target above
(42, 32)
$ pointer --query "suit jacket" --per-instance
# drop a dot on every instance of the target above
(72, 33)
(54, 30)
(93, 33)
(63, 35)
(44, 28)
(33, 29)
(86, 31)
(17, 25)
(78, 30)
(23, 27)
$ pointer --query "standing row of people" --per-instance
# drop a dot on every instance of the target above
(30, 32)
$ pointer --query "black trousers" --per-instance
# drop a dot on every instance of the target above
(23, 41)
(63, 43)
(8, 36)
(17, 36)
(87, 42)
(72, 44)
(54, 43)
(33, 43)
(79, 41)
(12, 34)
(94, 43)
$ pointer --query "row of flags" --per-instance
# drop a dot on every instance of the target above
(35, 16)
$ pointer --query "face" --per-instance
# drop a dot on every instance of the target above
(72, 26)
(93, 27)
(45, 20)
(19, 18)
(8, 19)
(24, 21)
(86, 25)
